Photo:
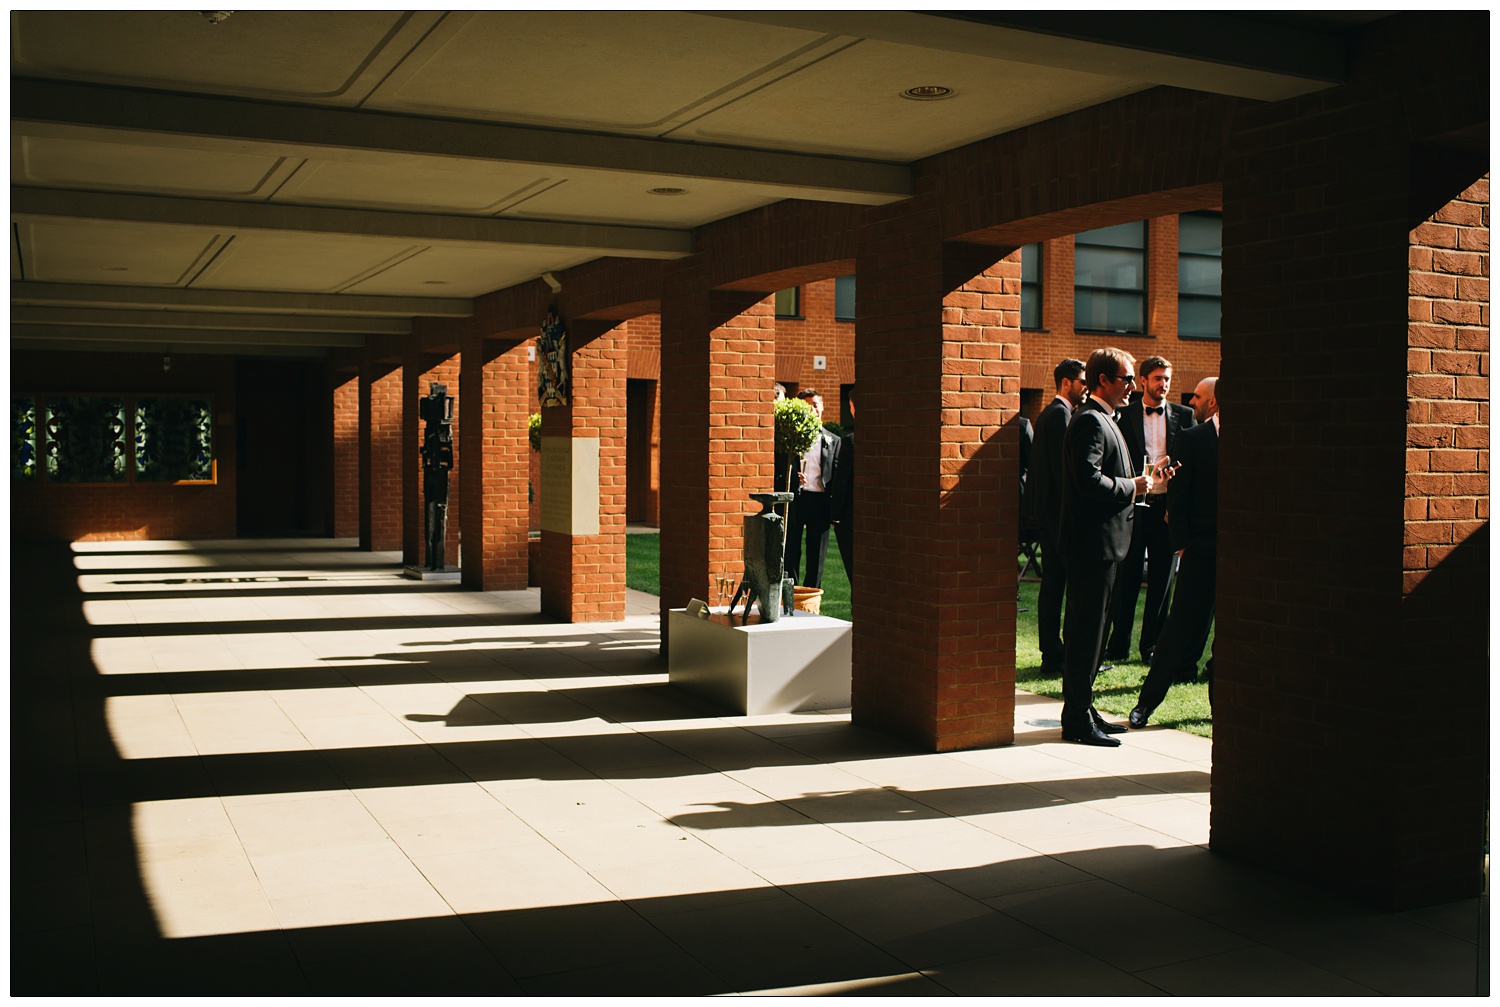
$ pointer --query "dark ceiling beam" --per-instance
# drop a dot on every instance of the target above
(28, 202)
(231, 124)
(91, 295)
(157, 319)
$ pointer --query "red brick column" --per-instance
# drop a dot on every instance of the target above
(718, 355)
(346, 451)
(582, 576)
(379, 456)
(411, 460)
(1352, 475)
(491, 436)
(936, 486)
(1444, 631)
(418, 372)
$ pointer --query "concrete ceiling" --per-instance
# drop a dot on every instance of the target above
(243, 186)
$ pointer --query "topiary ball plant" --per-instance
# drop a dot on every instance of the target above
(534, 430)
(797, 427)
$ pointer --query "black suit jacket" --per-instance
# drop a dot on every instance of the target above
(1133, 425)
(828, 445)
(1098, 488)
(1193, 493)
(1041, 501)
(841, 489)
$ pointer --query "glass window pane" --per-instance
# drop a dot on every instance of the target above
(1198, 317)
(788, 302)
(85, 439)
(1200, 234)
(1031, 286)
(843, 298)
(1117, 269)
(1031, 263)
(1131, 235)
(1199, 275)
(1109, 311)
(23, 439)
(173, 440)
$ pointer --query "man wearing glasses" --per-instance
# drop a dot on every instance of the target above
(1099, 489)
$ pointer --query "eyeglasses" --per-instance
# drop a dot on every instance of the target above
(1129, 379)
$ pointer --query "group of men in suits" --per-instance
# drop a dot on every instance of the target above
(1100, 491)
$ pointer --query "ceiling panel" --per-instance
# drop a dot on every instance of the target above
(619, 71)
(60, 251)
(317, 263)
(330, 56)
(465, 271)
(412, 183)
(618, 198)
(87, 164)
(851, 103)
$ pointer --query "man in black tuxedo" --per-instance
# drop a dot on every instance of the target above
(1041, 505)
(810, 511)
(1193, 506)
(1099, 490)
(1150, 424)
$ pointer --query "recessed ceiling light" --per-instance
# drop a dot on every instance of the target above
(666, 190)
(927, 92)
(116, 269)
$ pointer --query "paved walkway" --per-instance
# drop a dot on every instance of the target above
(277, 767)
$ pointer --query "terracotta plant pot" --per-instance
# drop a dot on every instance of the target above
(807, 599)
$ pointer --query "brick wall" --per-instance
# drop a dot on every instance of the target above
(583, 576)
(1341, 607)
(419, 371)
(816, 333)
(127, 511)
(717, 360)
(1192, 359)
(1447, 388)
(493, 403)
(385, 462)
(936, 485)
(345, 396)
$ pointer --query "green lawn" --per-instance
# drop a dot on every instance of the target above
(1115, 691)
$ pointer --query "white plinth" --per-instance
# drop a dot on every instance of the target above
(799, 662)
(422, 573)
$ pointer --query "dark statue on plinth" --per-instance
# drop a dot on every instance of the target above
(765, 579)
(437, 461)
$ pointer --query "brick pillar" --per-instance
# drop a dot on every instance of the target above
(718, 354)
(346, 451)
(1350, 703)
(411, 460)
(491, 436)
(936, 486)
(582, 574)
(418, 372)
(379, 456)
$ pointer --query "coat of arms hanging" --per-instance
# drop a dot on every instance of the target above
(552, 361)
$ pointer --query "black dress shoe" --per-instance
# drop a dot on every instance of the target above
(1088, 734)
(1138, 718)
(1104, 725)
(1116, 655)
(1105, 666)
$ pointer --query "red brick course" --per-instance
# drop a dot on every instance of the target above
(494, 397)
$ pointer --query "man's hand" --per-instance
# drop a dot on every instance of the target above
(1143, 485)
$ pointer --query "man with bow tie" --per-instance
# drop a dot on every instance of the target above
(1150, 424)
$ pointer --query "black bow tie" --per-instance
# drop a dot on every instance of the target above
(1157, 410)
